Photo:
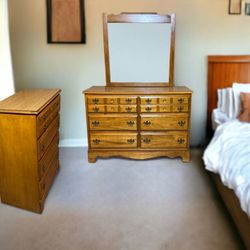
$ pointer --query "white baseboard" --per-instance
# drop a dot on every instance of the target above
(73, 143)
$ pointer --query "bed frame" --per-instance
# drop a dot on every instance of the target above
(222, 72)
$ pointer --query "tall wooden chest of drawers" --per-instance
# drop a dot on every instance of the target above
(138, 123)
(29, 135)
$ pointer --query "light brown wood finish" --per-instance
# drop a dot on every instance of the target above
(28, 157)
(222, 72)
(139, 18)
(167, 130)
(28, 101)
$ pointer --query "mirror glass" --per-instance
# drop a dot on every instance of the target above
(139, 52)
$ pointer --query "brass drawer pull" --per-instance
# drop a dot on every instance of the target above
(148, 109)
(96, 141)
(112, 101)
(131, 123)
(45, 117)
(95, 109)
(164, 100)
(148, 100)
(45, 126)
(128, 100)
(95, 101)
(128, 109)
(181, 100)
(95, 123)
(181, 123)
(146, 140)
(180, 108)
(180, 141)
(131, 141)
(147, 123)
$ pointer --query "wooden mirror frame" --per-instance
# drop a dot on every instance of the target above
(138, 18)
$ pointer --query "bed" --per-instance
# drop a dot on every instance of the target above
(222, 72)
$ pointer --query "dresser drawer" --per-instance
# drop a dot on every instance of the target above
(128, 100)
(113, 140)
(45, 140)
(113, 122)
(164, 140)
(47, 116)
(146, 100)
(128, 108)
(148, 108)
(164, 122)
(112, 108)
(164, 108)
(45, 163)
(111, 100)
(180, 99)
(96, 108)
(47, 181)
(180, 108)
(95, 100)
(164, 100)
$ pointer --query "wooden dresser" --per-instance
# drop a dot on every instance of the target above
(138, 123)
(29, 135)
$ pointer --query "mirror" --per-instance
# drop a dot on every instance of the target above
(139, 49)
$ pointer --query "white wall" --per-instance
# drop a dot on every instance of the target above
(203, 28)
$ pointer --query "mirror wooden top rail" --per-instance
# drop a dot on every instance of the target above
(139, 49)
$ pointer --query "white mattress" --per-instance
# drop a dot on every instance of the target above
(228, 154)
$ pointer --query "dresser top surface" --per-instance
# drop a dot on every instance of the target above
(137, 90)
(30, 101)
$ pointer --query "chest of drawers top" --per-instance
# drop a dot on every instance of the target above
(138, 90)
(28, 101)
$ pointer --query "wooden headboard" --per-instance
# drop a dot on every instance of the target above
(222, 72)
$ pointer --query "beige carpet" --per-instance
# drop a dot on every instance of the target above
(119, 204)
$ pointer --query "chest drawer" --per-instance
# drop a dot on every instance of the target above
(164, 122)
(147, 100)
(148, 108)
(179, 99)
(45, 184)
(47, 116)
(164, 100)
(48, 158)
(128, 108)
(113, 140)
(96, 108)
(180, 108)
(128, 100)
(164, 140)
(113, 122)
(45, 140)
(95, 100)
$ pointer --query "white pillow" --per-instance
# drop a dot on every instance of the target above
(226, 101)
(237, 89)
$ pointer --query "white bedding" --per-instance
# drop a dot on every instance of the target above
(228, 154)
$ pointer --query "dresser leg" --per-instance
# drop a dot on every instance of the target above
(91, 158)
(185, 156)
